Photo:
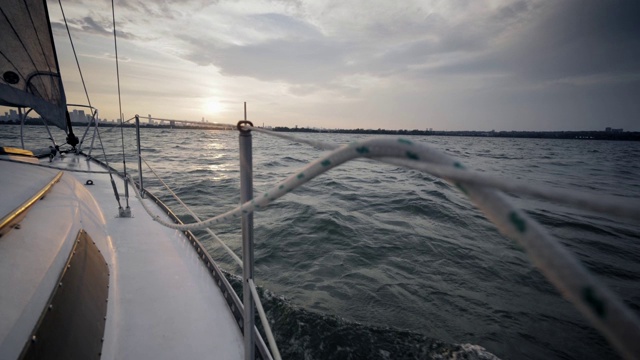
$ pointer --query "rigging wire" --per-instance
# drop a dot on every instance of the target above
(94, 114)
(124, 161)
(115, 127)
(74, 53)
(106, 161)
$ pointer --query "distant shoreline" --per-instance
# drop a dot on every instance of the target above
(578, 135)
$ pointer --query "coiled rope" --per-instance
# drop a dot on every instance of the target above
(603, 308)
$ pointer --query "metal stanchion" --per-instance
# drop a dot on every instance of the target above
(139, 156)
(246, 194)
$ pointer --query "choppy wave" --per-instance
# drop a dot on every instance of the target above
(303, 334)
(392, 263)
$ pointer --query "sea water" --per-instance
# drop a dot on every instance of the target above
(377, 261)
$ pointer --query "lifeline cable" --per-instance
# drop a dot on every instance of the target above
(175, 196)
(94, 114)
(602, 307)
(115, 127)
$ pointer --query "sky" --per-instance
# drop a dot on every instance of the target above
(442, 64)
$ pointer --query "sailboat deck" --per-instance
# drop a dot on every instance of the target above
(162, 301)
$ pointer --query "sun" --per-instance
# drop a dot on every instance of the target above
(213, 107)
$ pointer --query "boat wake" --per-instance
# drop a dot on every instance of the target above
(304, 334)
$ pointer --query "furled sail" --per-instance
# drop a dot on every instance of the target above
(29, 71)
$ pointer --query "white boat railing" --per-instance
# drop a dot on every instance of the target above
(251, 301)
(246, 195)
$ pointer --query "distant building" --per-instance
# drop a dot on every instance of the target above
(150, 120)
(13, 115)
(615, 131)
(79, 116)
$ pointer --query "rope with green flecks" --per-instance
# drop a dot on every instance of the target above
(594, 300)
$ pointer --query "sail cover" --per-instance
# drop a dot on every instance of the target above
(29, 72)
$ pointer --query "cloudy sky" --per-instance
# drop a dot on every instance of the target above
(441, 64)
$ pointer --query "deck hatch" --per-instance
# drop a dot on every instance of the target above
(72, 324)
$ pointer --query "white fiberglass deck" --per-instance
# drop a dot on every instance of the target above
(163, 303)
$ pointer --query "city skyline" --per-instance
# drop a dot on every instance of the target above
(79, 116)
(450, 65)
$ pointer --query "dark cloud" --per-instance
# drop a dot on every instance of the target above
(89, 25)
(463, 40)
(568, 39)
(293, 27)
(578, 38)
(58, 26)
(158, 10)
(512, 12)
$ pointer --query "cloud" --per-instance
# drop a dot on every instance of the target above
(387, 40)
(291, 61)
(498, 62)
(88, 25)
(562, 40)
(320, 43)
(109, 56)
(579, 38)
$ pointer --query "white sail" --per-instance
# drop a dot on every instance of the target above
(30, 75)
